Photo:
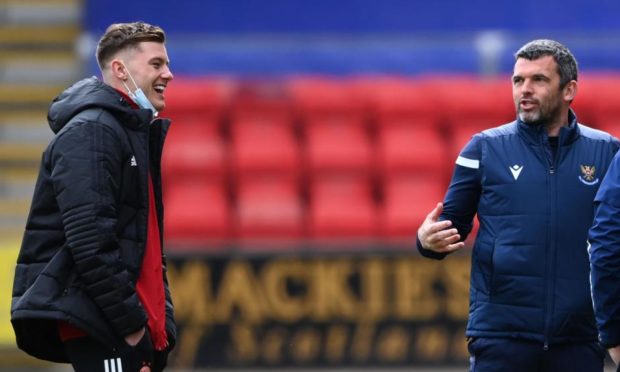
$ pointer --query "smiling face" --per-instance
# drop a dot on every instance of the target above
(148, 64)
(537, 95)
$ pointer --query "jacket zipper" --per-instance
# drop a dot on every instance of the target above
(551, 232)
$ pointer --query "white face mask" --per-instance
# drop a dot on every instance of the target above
(138, 95)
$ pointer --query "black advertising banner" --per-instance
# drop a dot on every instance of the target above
(319, 310)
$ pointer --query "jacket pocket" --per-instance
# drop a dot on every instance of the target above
(482, 266)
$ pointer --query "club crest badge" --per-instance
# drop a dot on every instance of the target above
(588, 175)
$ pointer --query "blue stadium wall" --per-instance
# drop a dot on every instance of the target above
(279, 37)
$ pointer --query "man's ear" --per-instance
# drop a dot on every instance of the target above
(118, 69)
(570, 91)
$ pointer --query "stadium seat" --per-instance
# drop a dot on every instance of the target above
(264, 143)
(269, 206)
(204, 98)
(321, 97)
(584, 104)
(197, 211)
(396, 100)
(407, 148)
(194, 149)
(262, 131)
(256, 99)
(337, 145)
(600, 102)
(470, 105)
(468, 100)
(342, 206)
(462, 135)
(407, 199)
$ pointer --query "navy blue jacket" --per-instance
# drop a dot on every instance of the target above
(604, 252)
(529, 275)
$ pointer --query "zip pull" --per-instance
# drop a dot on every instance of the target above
(552, 170)
(546, 346)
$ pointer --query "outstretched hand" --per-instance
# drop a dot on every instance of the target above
(437, 236)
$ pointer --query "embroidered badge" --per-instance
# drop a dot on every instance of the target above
(588, 175)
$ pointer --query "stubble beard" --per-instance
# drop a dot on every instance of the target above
(541, 116)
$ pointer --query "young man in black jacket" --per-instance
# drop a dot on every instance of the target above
(90, 284)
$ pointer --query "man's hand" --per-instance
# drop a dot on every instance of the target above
(133, 339)
(614, 353)
(436, 235)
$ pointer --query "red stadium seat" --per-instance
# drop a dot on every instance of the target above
(401, 100)
(319, 97)
(406, 148)
(466, 101)
(197, 212)
(202, 98)
(461, 136)
(407, 201)
(338, 145)
(264, 144)
(255, 100)
(471, 105)
(270, 207)
(194, 149)
(342, 206)
(599, 94)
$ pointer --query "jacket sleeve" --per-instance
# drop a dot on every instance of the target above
(604, 252)
(461, 201)
(86, 166)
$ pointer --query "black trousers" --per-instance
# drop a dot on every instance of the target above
(515, 355)
(88, 355)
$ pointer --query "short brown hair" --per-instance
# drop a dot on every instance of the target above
(121, 36)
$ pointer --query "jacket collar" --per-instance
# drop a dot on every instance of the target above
(537, 134)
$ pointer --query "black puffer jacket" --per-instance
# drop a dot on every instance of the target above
(85, 237)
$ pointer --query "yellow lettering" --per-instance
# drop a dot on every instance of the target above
(456, 275)
(190, 288)
(276, 275)
(187, 346)
(432, 343)
(459, 345)
(305, 345)
(273, 345)
(243, 343)
(336, 343)
(361, 345)
(240, 290)
(413, 288)
(392, 344)
(373, 290)
(330, 294)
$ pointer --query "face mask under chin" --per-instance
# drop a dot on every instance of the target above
(138, 95)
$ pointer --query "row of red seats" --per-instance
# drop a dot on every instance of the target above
(264, 144)
(275, 207)
(324, 158)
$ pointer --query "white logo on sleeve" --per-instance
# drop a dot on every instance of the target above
(516, 170)
(133, 163)
(113, 365)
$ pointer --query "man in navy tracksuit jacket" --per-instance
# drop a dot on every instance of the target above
(604, 252)
(532, 183)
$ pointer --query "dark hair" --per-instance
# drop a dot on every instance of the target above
(567, 64)
(120, 36)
